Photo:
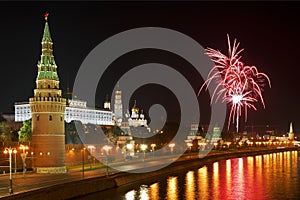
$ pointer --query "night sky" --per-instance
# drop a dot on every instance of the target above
(269, 32)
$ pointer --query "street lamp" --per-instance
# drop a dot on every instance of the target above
(189, 146)
(83, 150)
(172, 145)
(107, 148)
(15, 152)
(153, 146)
(10, 151)
(23, 156)
(143, 148)
(91, 147)
(129, 146)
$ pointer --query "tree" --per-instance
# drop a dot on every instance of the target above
(5, 133)
(25, 134)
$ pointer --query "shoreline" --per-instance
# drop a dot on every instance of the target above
(79, 188)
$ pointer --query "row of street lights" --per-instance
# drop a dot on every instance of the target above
(10, 151)
(91, 148)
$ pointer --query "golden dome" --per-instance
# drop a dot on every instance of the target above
(135, 108)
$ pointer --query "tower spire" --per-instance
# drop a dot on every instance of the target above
(47, 68)
(291, 127)
(46, 36)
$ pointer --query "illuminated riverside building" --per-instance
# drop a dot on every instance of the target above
(137, 119)
(193, 134)
(48, 91)
(48, 111)
(75, 110)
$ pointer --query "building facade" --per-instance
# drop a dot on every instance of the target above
(137, 118)
(76, 110)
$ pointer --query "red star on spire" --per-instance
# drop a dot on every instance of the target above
(46, 16)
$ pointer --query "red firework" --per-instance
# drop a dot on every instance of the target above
(240, 86)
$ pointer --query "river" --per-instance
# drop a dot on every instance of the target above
(269, 176)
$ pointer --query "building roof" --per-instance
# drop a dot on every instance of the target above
(47, 66)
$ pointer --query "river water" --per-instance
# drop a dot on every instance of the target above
(270, 176)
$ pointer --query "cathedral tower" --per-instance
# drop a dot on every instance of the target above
(48, 107)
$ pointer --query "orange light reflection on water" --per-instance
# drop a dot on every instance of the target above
(254, 177)
(154, 191)
(215, 180)
(172, 188)
(203, 183)
(190, 186)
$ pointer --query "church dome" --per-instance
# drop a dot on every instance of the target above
(135, 109)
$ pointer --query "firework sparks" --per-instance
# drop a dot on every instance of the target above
(240, 86)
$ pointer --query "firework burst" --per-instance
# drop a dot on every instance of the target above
(241, 86)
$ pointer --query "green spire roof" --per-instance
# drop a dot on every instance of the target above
(46, 65)
(46, 36)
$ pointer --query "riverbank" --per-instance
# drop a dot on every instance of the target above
(82, 187)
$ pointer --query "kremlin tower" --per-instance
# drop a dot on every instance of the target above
(48, 108)
(118, 108)
(291, 132)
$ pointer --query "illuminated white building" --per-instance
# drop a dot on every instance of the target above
(118, 108)
(193, 134)
(137, 119)
(75, 110)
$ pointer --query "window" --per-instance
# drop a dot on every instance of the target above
(61, 118)
(37, 118)
(50, 117)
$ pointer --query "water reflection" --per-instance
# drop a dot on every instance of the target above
(271, 176)
(172, 188)
(130, 195)
(215, 180)
(154, 191)
(203, 183)
(228, 177)
(190, 186)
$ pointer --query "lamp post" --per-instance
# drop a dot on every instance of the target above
(10, 151)
(83, 150)
(15, 152)
(91, 147)
(129, 146)
(172, 145)
(107, 148)
(189, 146)
(153, 146)
(143, 148)
(23, 156)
